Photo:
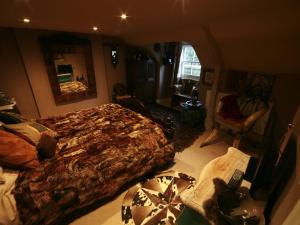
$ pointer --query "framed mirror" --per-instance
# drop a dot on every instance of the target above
(70, 67)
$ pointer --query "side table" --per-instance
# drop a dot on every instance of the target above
(192, 113)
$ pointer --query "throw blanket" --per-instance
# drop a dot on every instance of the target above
(99, 150)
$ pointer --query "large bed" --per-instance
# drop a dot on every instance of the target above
(72, 87)
(99, 150)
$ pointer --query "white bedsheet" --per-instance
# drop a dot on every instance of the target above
(8, 209)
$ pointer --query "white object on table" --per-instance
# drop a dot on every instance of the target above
(223, 168)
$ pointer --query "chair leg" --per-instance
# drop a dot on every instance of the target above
(211, 137)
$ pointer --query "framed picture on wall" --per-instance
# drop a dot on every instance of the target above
(208, 76)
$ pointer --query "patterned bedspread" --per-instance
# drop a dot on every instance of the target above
(99, 150)
(72, 87)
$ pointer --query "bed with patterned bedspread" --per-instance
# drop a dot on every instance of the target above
(99, 150)
(72, 87)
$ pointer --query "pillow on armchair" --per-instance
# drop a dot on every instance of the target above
(230, 108)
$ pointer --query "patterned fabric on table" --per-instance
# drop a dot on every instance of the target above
(157, 201)
(99, 150)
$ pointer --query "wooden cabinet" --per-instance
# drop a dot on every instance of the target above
(141, 79)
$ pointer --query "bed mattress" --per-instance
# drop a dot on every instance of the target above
(99, 150)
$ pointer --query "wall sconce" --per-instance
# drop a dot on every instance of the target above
(114, 56)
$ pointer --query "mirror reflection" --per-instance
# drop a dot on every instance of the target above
(71, 73)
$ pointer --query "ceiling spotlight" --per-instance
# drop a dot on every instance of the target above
(26, 20)
(95, 28)
(123, 16)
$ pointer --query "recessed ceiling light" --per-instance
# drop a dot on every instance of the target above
(123, 16)
(26, 20)
(95, 28)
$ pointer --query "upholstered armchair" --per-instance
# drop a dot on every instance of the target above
(237, 114)
(183, 91)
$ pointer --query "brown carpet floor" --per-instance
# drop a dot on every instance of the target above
(184, 134)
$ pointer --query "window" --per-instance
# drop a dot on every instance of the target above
(189, 65)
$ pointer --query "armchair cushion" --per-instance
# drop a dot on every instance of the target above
(230, 108)
(240, 113)
(235, 124)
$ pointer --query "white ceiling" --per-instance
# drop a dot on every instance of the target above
(258, 35)
(145, 17)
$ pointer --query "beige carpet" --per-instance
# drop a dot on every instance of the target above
(191, 161)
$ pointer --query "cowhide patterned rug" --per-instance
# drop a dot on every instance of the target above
(156, 201)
